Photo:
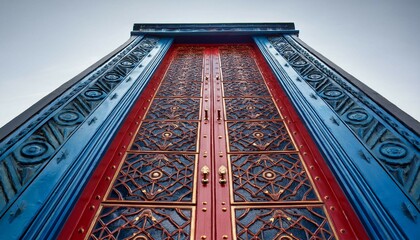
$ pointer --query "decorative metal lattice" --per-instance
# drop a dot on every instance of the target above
(245, 89)
(239, 65)
(270, 178)
(251, 108)
(282, 223)
(174, 108)
(138, 223)
(259, 136)
(180, 89)
(155, 177)
(166, 136)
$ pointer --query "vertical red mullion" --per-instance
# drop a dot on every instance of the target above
(204, 217)
(222, 201)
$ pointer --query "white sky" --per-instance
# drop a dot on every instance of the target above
(45, 43)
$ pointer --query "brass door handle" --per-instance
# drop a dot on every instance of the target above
(205, 172)
(222, 174)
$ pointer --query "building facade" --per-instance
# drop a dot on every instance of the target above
(211, 131)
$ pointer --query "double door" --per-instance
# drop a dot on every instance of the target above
(216, 154)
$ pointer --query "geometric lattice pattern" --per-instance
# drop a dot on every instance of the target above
(174, 108)
(239, 65)
(251, 108)
(180, 89)
(160, 164)
(282, 223)
(155, 177)
(270, 178)
(265, 164)
(245, 89)
(124, 222)
(166, 136)
(259, 136)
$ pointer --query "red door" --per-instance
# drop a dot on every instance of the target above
(213, 150)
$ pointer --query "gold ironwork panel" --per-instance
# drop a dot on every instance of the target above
(174, 108)
(238, 64)
(240, 74)
(184, 72)
(251, 108)
(270, 178)
(180, 89)
(187, 66)
(282, 223)
(155, 177)
(144, 223)
(245, 89)
(166, 136)
(259, 136)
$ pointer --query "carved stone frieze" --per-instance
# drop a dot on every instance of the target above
(395, 148)
(25, 154)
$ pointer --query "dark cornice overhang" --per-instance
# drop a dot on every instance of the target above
(213, 29)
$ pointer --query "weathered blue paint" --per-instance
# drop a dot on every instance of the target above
(384, 207)
(66, 170)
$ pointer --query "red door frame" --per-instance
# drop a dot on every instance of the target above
(343, 217)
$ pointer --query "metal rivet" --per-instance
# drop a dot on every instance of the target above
(120, 153)
(204, 209)
(224, 209)
(304, 153)
(326, 197)
(316, 178)
(332, 208)
(98, 197)
(223, 203)
(81, 230)
(204, 203)
(203, 237)
(220, 137)
(343, 230)
(204, 136)
(92, 207)
(225, 237)
(114, 167)
(311, 167)
(108, 178)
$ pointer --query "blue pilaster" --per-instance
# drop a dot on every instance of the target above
(372, 155)
(53, 161)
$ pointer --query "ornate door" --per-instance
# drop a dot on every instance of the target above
(213, 150)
